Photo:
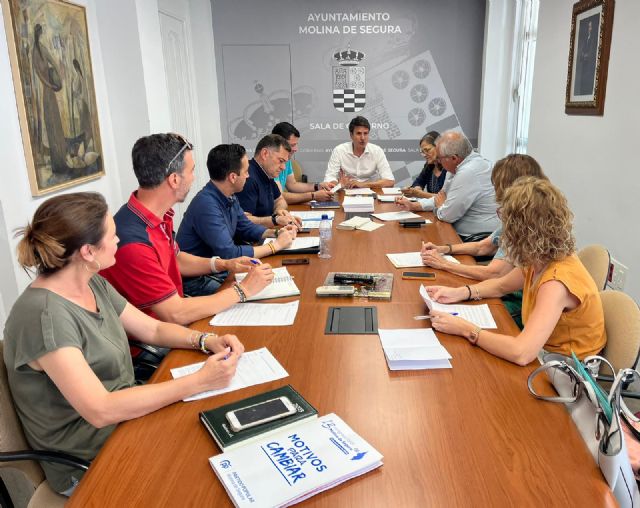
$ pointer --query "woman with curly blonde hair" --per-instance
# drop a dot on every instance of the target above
(561, 307)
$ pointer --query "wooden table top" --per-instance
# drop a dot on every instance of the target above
(467, 436)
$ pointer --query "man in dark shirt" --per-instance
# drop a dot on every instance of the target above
(261, 198)
(215, 224)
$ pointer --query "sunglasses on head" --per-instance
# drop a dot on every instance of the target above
(186, 145)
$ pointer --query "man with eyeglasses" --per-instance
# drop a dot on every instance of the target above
(261, 198)
(149, 264)
(467, 199)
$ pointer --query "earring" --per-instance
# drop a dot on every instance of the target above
(86, 267)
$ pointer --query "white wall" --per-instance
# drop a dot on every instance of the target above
(592, 159)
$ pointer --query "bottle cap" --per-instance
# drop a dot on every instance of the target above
(324, 217)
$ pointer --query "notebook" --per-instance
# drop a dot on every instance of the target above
(281, 286)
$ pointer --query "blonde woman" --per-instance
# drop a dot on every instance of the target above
(561, 307)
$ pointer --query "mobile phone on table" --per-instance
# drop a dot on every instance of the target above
(418, 275)
(257, 414)
(295, 261)
(303, 231)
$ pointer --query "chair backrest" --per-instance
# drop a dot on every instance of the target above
(622, 322)
(596, 260)
(21, 478)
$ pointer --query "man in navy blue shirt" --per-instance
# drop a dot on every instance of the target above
(215, 223)
(261, 198)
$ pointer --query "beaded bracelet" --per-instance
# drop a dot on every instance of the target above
(477, 297)
(203, 342)
(192, 340)
(241, 294)
(469, 289)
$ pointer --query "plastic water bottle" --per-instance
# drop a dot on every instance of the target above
(325, 237)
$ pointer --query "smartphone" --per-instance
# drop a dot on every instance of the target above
(257, 414)
(303, 231)
(295, 261)
(418, 275)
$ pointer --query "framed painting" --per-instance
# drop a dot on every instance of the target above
(53, 80)
(591, 27)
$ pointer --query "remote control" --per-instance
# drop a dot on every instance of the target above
(335, 291)
(351, 278)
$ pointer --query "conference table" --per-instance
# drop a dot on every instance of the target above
(471, 435)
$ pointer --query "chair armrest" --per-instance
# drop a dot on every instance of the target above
(152, 350)
(45, 456)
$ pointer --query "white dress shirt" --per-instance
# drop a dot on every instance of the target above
(370, 166)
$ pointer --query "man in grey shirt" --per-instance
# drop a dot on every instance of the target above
(467, 199)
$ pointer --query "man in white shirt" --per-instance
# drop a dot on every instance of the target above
(359, 163)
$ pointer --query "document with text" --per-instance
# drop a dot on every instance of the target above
(254, 368)
(313, 215)
(398, 216)
(479, 315)
(392, 190)
(257, 314)
(282, 285)
(412, 259)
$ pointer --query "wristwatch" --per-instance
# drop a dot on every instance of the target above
(316, 186)
(274, 219)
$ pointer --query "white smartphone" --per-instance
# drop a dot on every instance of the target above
(267, 411)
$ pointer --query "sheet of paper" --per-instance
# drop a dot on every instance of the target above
(384, 198)
(410, 349)
(397, 216)
(412, 259)
(254, 368)
(391, 190)
(370, 226)
(299, 243)
(479, 315)
(282, 285)
(364, 191)
(336, 188)
(310, 224)
(313, 215)
(257, 314)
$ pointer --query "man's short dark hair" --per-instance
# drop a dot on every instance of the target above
(273, 142)
(286, 130)
(156, 156)
(358, 121)
(225, 159)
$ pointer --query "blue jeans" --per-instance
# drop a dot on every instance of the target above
(204, 285)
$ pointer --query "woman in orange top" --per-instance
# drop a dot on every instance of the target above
(561, 306)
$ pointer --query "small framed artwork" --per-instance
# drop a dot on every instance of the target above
(53, 80)
(591, 27)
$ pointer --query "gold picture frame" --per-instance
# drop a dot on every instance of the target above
(55, 94)
(590, 44)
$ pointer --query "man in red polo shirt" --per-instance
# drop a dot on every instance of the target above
(149, 264)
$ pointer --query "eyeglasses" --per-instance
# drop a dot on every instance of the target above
(186, 146)
(425, 151)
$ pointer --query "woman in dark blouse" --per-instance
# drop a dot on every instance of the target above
(431, 178)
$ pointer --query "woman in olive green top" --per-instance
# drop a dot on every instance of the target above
(65, 341)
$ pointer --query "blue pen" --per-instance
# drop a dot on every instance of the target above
(255, 261)
(453, 313)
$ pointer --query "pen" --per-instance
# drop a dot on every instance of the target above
(255, 262)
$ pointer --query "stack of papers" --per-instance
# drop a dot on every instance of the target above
(398, 216)
(361, 223)
(364, 191)
(357, 204)
(413, 349)
(479, 315)
(257, 314)
(308, 242)
(254, 368)
(412, 259)
(312, 215)
(281, 286)
(392, 190)
(292, 465)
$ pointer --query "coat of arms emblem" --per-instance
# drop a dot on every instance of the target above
(349, 81)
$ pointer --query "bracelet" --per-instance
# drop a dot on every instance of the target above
(450, 251)
(240, 292)
(274, 219)
(203, 342)
(272, 247)
(212, 263)
(192, 340)
(469, 288)
(313, 196)
(477, 297)
(475, 336)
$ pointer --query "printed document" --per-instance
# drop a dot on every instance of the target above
(398, 216)
(479, 315)
(257, 314)
(365, 191)
(412, 259)
(282, 285)
(254, 368)
(391, 190)
(313, 215)
(299, 243)
(413, 349)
